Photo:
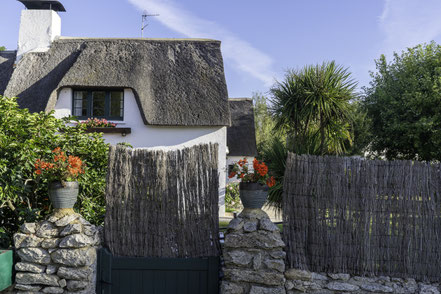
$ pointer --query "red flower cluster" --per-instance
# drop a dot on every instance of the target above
(260, 167)
(60, 167)
(271, 181)
(97, 123)
(260, 173)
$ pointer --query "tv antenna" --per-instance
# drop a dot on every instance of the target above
(144, 23)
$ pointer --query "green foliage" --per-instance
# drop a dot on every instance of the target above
(275, 155)
(404, 104)
(313, 106)
(26, 137)
(2, 48)
(232, 198)
(263, 122)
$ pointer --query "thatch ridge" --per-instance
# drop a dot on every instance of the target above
(7, 59)
(241, 135)
(176, 82)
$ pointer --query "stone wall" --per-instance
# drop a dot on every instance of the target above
(253, 255)
(254, 263)
(57, 255)
(299, 281)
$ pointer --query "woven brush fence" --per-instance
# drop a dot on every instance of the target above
(163, 204)
(363, 217)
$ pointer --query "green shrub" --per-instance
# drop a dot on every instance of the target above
(25, 137)
(232, 199)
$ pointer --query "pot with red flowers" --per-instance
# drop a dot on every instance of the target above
(61, 171)
(254, 183)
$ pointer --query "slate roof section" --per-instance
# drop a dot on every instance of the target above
(7, 59)
(177, 82)
(241, 135)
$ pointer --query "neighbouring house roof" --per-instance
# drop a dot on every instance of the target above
(177, 82)
(241, 135)
(7, 59)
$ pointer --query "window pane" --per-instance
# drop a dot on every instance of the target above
(98, 104)
(80, 103)
(116, 104)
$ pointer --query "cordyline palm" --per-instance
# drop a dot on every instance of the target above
(312, 104)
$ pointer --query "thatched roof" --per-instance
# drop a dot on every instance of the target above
(241, 136)
(177, 82)
(7, 59)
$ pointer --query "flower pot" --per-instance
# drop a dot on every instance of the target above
(5, 269)
(253, 195)
(63, 196)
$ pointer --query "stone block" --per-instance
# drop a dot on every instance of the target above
(297, 274)
(74, 257)
(43, 279)
(50, 243)
(339, 286)
(26, 240)
(249, 276)
(71, 229)
(30, 267)
(267, 290)
(28, 228)
(74, 273)
(47, 230)
(231, 288)
(34, 255)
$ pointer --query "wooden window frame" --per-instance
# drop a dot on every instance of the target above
(89, 105)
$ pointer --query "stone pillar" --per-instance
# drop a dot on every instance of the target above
(253, 255)
(58, 255)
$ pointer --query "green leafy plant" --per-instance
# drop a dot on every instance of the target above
(232, 198)
(26, 137)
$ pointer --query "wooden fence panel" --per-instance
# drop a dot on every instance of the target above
(363, 216)
(162, 204)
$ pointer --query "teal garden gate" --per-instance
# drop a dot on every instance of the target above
(128, 275)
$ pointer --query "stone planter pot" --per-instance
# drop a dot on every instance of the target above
(63, 196)
(5, 269)
(253, 195)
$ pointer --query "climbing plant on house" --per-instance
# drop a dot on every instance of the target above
(26, 137)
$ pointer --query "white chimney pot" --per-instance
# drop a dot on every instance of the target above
(38, 29)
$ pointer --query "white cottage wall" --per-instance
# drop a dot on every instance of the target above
(156, 137)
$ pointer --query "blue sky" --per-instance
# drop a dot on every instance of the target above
(260, 39)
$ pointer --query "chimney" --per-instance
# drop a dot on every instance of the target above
(40, 25)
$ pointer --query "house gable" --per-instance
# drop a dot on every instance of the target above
(241, 135)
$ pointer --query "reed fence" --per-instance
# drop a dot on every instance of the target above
(162, 204)
(364, 217)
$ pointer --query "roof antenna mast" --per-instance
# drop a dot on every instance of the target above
(144, 23)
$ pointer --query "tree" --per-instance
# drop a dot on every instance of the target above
(263, 122)
(2, 48)
(404, 104)
(313, 106)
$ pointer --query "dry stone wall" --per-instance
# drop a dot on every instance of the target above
(300, 281)
(253, 255)
(57, 255)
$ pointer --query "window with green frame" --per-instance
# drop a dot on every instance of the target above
(108, 104)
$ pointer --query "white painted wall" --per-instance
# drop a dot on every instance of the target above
(155, 137)
(233, 160)
(38, 29)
